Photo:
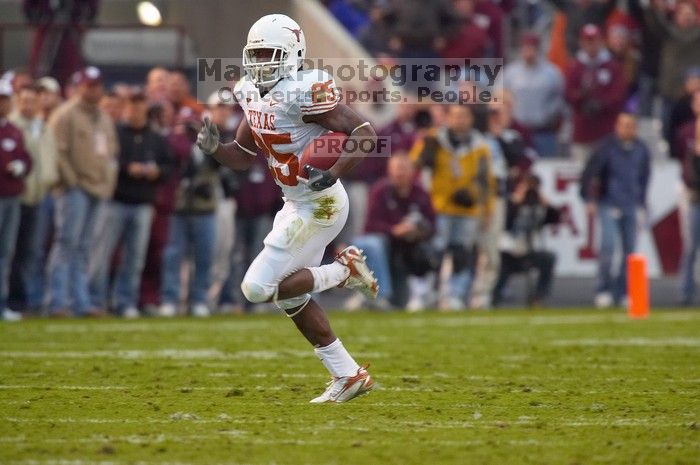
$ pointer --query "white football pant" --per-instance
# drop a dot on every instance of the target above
(300, 233)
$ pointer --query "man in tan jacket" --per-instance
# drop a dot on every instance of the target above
(87, 149)
(27, 284)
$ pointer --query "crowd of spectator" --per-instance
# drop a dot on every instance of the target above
(104, 194)
(629, 50)
(108, 207)
(580, 77)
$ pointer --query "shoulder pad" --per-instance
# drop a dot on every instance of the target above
(317, 92)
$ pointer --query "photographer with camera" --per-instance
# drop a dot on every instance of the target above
(400, 222)
(463, 191)
(527, 213)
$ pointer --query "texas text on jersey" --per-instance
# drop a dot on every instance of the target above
(276, 121)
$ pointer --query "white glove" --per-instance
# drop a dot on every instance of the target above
(208, 137)
(16, 168)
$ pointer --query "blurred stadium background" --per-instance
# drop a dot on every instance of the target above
(60, 38)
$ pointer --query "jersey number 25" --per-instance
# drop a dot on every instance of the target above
(265, 142)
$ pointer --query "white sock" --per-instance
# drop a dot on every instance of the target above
(329, 276)
(337, 360)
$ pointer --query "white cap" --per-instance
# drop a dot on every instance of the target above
(9, 76)
(5, 88)
(50, 84)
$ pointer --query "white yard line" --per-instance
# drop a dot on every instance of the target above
(188, 354)
(103, 462)
(162, 438)
(433, 388)
(65, 387)
(157, 325)
(630, 342)
(254, 324)
(46, 387)
(121, 420)
(171, 354)
(538, 320)
(396, 425)
(130, 439)
(409, 377)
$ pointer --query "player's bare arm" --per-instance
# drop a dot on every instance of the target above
(237, 155)
(343, 119)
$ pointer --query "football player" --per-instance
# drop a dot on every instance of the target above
(286, 108)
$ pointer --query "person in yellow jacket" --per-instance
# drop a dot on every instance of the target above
(463, 191)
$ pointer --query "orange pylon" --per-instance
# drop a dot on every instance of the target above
(637, 286)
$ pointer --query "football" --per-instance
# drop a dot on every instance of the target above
(322, 152)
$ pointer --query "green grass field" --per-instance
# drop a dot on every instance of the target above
(576, 387)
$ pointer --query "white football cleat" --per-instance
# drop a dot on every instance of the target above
(200, 311)
(603, 300)
(167, 311)
(361, 277)
(131, 313)
(346, 388)
(355, 302)
(10, 315)
(453, 304)
(415, 305)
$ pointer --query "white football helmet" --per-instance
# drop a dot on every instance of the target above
(276, 47)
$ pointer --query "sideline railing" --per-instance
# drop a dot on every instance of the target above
(178, 58)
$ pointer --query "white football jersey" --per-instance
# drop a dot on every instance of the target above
(277, 125)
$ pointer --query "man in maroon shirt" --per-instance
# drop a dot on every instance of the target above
(684, 143)
(688, 146)
(15, 164)
(400, 220)
(596, 90)
(471, 40)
